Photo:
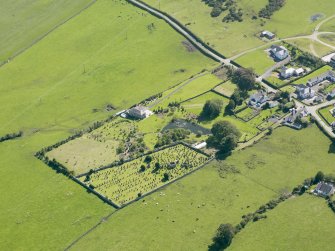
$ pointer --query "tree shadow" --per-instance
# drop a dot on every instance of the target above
(222, 155)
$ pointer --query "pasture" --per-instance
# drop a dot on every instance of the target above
(22, 23)
(63, 84)
(192, 208)
(233, 38)
(304, 222)
(226, 89)
(312, 46)
(92, 61)
(259, 60)
(125, 183)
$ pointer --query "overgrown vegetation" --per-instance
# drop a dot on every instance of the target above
(212, 109)
(172, 135)
(220, 6)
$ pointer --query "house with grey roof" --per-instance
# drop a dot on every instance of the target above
(304, 92)
(329, 76)
(279, 52)
(268, 34)
(332, 61)
(324, 189)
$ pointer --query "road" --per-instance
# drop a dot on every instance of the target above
(313, 110)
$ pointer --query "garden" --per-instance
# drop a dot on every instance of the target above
(125, 183)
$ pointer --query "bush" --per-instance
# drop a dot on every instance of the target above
(224, 236)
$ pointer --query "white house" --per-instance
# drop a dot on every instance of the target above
(287, 72)
(279, 52)
(139, 112)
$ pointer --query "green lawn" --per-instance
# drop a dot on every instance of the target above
(259, 60)
(312, 75)
(325, 112)
(23, 22)
(302, 223)
(328, 26)
(276, 81)
(233, 38)
(195, 206)
(106, 55)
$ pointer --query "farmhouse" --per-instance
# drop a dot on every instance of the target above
(329, 76)
(139, 112)
(258, 99)
(304, 92)
(267, 34)
(324, 189)
(279, 52)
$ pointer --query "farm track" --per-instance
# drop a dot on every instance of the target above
(19, 52)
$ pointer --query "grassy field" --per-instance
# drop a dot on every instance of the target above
(302, 223)
(123, 184)
(233, 38)
(275, 80)
(328, 26)
(259, 60)
(50, 91)
(325, 112)
(193, 207)
(328, 38)
(23, 22)
(227, 88)
(312, 75)
(305, 45)
(94, 60)
(189, 89)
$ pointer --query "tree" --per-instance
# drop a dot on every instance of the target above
(148, 159)
(225, 136)
(142, 169)
(166, 176)
(231, 106)
(212, 108)
(224, 236)
(319, 177)
(244, 78)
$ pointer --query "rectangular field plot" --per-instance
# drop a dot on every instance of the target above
(123, 184)
(99, 147)
(226, 89)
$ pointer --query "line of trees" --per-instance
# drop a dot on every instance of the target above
(10, 136)
(270, 8)
(219, 6)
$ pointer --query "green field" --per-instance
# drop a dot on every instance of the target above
(22, 23)
(195, 206)
(122, 184)
(233, 38)
(50, 92)
(326, 114)
(302, 223)
(328, 26)
(227, 88)
(275, 80)
(306, 45)
(98, 64)
(328, 38)
(259, 60)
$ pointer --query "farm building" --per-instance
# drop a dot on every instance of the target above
(268, 34)
(279, 52)
(199, 145)
(324, 189)
(329, 76)
(139, 112)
